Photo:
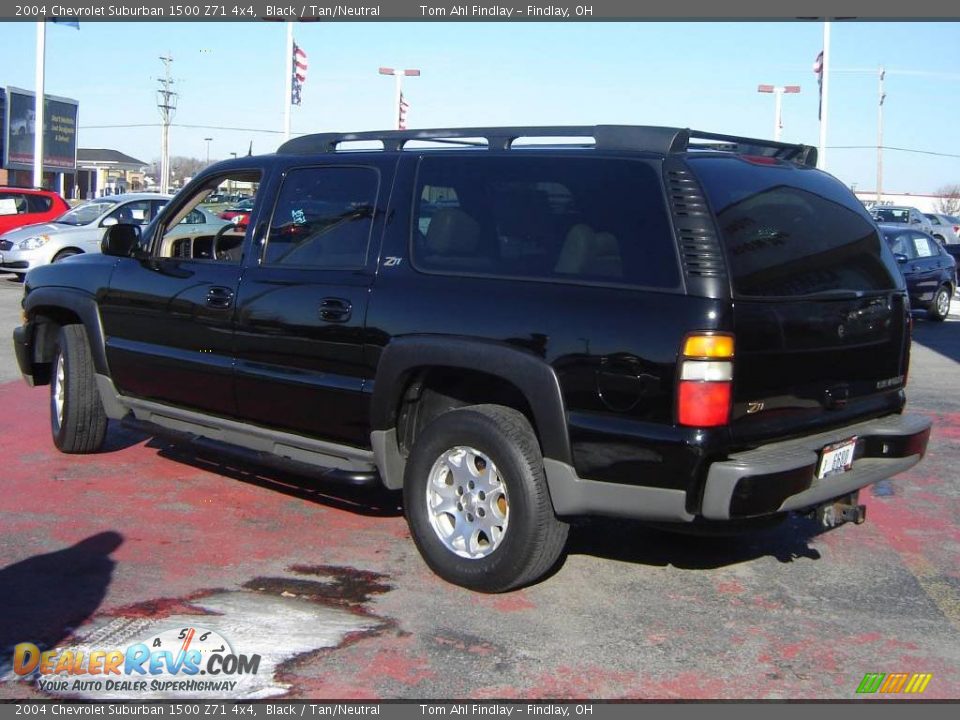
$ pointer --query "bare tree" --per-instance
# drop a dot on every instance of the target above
(949, 201)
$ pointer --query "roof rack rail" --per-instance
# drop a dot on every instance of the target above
(644, 138)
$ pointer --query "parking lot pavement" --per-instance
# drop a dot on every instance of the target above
(325, 584)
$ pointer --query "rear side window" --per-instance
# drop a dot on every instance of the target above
(13, 204)
(567, 219)
(792, 231)
(323, 218)
(39, 203)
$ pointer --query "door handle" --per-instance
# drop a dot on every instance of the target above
(335, 309)
(220, 297)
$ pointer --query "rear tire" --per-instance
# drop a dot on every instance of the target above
(77, 419)
(940, 307)
(477, 503)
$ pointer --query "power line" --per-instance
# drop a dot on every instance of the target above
(180, 125)
(887, 147)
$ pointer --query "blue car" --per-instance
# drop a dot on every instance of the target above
(930, 271)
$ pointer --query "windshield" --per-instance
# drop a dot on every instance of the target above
(86, 213)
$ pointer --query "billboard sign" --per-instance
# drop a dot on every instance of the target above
(59, 136)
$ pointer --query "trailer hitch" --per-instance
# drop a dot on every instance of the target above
(841, 510)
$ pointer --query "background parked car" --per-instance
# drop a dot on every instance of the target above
(946, 228)
(930, 271)
(902, 215)
(238, 214)
(77, 231)
(26, 206)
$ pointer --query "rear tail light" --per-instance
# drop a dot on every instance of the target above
(705, 386)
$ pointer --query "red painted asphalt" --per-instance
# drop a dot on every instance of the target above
(631, 613)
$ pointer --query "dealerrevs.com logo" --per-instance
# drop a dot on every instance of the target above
(180, 660)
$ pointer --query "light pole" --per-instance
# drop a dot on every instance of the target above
(883, 96)
(230, 180)
(778, 92)
(399, 75)
(207, 141)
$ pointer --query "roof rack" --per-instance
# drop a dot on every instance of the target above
(661, 140)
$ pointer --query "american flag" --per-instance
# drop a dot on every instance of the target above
(299, 74)
(818, 71)
(404, 106)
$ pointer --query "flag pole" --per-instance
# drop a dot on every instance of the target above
(288, 86)
(38, 104)
(825, 93)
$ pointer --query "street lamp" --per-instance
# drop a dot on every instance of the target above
(778, 91)
(207, 141)
(398, 99)
(230, 180)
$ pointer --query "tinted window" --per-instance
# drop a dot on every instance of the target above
(792, 231)
(896, 215)
(38, 203)
(323, 218)
(579, 219)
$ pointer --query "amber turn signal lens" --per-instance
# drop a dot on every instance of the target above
(708, 346)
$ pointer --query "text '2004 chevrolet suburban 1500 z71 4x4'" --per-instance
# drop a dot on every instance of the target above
(653, 323)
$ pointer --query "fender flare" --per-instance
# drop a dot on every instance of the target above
(80, 303)
(535, 379)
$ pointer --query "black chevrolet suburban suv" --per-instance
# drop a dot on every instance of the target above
(515, 326)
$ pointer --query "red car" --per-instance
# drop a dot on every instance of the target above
(238, 214)
(25, 206)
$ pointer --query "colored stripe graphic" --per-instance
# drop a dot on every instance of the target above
(918, 683)
(894, 683)
(914, 683)
(870, 683)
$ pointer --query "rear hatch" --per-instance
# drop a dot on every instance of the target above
(819, 311)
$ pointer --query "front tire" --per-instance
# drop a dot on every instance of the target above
(77, 419)
(64, 254)
(940, 307)
(477, 503)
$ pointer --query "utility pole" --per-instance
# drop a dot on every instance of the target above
(167, 105)
(778, 92)
(207, 141)
(882, 97)
(399, 75)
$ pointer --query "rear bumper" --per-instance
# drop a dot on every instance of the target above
(780, 477)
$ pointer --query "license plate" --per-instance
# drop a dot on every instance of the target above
(837, 458)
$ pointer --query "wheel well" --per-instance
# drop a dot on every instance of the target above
(67, 251)
(47, 323)
(430, 392)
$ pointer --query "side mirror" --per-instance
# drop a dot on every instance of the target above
(107, 222)
(901, 258)
(120, 240)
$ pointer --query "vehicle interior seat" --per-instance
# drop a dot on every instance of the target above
(453, 241)
(586, 252)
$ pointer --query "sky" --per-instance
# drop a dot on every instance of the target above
(697, 75)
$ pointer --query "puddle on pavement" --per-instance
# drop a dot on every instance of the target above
(279, 619)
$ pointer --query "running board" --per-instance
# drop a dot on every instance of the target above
(355, 463)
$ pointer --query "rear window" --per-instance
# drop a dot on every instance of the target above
(587, 220)
(791, 231)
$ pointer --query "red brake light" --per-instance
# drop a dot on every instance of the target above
(703, 404)
(705, 380)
